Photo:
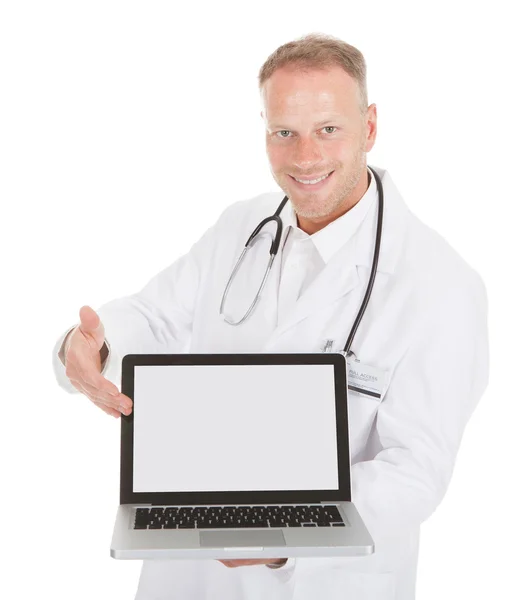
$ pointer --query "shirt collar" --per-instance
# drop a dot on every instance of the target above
(334, 236)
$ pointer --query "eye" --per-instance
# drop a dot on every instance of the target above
(330, 127)
(283, 131)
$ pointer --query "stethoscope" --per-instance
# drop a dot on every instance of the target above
(273, 252)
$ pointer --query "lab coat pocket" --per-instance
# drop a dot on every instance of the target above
(362, 410)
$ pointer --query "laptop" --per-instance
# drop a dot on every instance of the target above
(228, 456)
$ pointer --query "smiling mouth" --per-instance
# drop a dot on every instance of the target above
(314, 182)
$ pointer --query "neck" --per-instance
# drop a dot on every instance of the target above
(311, 226)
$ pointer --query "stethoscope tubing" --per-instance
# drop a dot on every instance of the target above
(376, 255)
(275, 244)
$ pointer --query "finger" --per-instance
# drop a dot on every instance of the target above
(90, 322)
(94, 398)
(84, 368)
(227, 563)
(91, 328)
(121, 403)
(108, 410)
(94, 393)
(243, 562)
(84, 389)
(86, 373)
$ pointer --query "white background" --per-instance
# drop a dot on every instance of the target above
(125, 129)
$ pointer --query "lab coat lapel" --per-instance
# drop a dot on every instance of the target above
(342, 274)
(339, 277)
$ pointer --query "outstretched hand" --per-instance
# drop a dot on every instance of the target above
(83, 365)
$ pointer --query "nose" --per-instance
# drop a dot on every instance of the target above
(307, 154)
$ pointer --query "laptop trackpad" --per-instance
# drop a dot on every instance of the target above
(225, 539)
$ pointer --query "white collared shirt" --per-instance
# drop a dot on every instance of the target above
(304, 255)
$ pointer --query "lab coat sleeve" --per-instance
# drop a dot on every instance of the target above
(157, 319)
(432, 393)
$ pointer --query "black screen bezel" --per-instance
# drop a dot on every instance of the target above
(343, 494)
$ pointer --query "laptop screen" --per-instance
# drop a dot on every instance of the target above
(218, 428)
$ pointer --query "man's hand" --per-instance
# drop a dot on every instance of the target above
(246, 563)
(83, 365)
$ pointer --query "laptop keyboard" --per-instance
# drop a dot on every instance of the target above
(237, 517)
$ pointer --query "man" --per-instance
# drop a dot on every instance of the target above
(425, 326)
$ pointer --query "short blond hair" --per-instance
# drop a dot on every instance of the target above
(319, 51)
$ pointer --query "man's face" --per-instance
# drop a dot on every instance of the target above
(314, 127)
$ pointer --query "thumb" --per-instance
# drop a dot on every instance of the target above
(90, 323)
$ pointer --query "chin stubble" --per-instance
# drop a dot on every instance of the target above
(332, 203)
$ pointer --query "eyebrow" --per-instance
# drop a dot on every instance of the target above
(319, 124)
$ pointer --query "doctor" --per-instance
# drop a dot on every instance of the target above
(425, 327)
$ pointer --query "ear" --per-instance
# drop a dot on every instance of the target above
(372, 127)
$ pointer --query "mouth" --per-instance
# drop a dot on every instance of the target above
(312, 184)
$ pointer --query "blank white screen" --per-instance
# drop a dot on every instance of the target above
(234, 428)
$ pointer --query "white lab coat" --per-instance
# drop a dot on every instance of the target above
(425, 325)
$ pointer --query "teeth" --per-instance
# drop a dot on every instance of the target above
(311, 181)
